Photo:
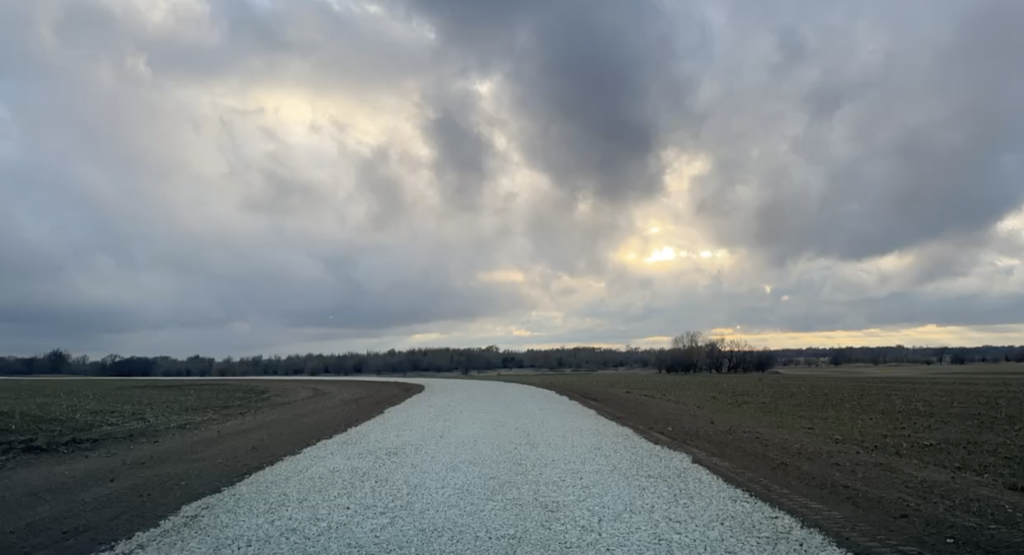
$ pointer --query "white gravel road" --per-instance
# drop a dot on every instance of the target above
(482, 468)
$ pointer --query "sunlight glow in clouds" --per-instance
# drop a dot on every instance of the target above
(663, 254)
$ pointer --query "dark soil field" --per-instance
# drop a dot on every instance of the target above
(883, 465)
(89, 462)
(63, 415)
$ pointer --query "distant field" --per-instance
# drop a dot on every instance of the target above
(1004, 370)
(59, 414)
(967, 425)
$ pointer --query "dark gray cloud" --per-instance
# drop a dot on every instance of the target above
(596, 86)
(378, 176)
(918, 138)
(462, 153)
(791, 45)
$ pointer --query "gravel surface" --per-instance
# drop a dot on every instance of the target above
(482, 467)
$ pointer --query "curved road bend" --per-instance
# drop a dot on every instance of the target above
(482, 467)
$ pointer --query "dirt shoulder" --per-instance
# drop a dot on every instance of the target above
(868, 501)
(76, 501)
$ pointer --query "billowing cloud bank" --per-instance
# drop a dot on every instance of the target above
(234, 176)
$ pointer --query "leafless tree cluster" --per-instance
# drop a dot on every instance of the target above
(693, 351)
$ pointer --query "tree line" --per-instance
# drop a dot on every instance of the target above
(900, 355)
(689, 352)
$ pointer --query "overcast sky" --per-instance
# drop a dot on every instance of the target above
(242, 176)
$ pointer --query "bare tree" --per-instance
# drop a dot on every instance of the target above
(687, 353)
(737, 355)
(688, 340)
(714, 354)
(57, 360)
